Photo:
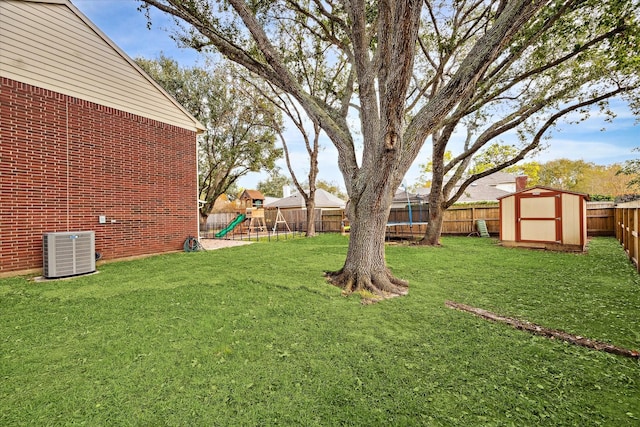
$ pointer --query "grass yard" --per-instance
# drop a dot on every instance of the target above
(253, 336)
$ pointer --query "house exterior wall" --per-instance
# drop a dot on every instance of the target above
(64, 162)
(52, 45)
(507, 186)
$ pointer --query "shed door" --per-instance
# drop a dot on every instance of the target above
(539, 217)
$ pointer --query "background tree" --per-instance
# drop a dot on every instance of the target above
(313, 69)
(583, 177)
(333, 188)
(488, 158)
(564, 174)
(241, 126)
(529, 169)
(631, 168)
(575, 56)
(493, 155)
(604, 180)
(424, 180)
(311, 140)
(400, 101)
(274, 185)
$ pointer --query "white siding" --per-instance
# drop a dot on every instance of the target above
(571, 232)
(50, 44)
(508, 219)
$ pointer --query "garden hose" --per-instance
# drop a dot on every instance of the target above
(191, 244)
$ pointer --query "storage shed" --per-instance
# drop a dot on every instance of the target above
(545, 218)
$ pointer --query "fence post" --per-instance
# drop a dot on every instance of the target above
(634, 236)
(627, 225)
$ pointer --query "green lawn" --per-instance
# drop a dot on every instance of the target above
(253, 336)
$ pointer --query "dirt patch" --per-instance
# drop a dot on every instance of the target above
(211, 244)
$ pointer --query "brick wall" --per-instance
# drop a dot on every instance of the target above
(65, 161)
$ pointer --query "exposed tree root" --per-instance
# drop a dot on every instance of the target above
(427, 242)
(541, 330)
(372, 287)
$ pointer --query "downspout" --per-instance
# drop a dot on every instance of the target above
(68, 207)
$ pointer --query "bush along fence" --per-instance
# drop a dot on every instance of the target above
(458, 220)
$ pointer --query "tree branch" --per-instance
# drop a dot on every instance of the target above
(535, 141)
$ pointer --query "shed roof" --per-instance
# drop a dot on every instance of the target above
(324, 200)
(541, 187)
(50, 44)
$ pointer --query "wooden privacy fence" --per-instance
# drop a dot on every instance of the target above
(461, 220)
(326, 220)
(627, 220)
(458, 220)
(601, 219)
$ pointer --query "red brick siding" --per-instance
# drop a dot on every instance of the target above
(65, 161)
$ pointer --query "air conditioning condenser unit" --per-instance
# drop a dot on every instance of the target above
(68, 253)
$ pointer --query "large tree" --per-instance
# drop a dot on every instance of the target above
(241, 125)
(575, 56)
(377, 41)
(310, 133)
(312, 66)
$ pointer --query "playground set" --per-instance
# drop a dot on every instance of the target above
(252, 219)
(406, 223)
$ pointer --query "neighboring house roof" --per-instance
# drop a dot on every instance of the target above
(324, 200)
(403, 198)
(268, 199)
(52, 45)
(498, 178)
(477, 192)
(487, 189)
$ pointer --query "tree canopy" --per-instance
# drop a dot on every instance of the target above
(631, 168)
(274, 185)
(574, 57)
(415, 70)
(241, 125)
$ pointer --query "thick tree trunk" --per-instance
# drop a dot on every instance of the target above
(203, 219)
(365, 270)
(436, 196)
(311, 217)
(434, 228)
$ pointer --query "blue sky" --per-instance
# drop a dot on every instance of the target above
(127, 27)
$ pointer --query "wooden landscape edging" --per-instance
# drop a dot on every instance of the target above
(541, 330)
